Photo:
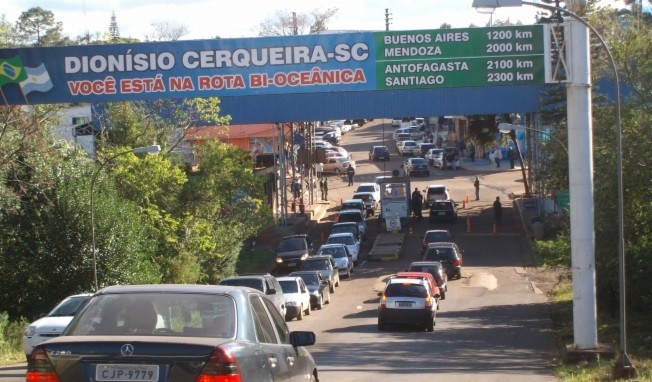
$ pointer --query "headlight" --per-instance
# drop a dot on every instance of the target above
(305, 256)
(30, 330)
(279, 260)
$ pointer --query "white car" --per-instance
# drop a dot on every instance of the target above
(297, 297)
(348, 239)
(408, 148)
(52, 324)
(436, 192)
(374, 188)
(435, 157)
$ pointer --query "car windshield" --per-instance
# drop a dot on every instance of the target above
(168, 314)
(69, 307)
(364, 197)
(380, 150)
(347, 240)
(315, 265)
(292, 245)
(349, 217)
(364, 188)
(433, 270)
(352, 205)
(289, 286)
(438, 254)
(405, 290)
(345, 228)
(247, 282)
(333, 251)
(419, 161)
(436, 236)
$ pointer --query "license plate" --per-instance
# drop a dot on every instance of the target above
(123, 372)
(403, 304)
(291, 264)
(441, 213)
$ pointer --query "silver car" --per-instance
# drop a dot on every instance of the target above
(176, 333)
(341, 255)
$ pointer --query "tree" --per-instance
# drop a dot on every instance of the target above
(166, 31)
(287, 23)
(7, 34)
(38, 27)
(114, 30)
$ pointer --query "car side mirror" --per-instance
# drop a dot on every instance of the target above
(324, 282)
(271, 291)
(437, 295)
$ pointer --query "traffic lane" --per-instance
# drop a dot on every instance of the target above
(13, 373)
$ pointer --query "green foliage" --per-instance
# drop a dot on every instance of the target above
(554, 253)
(38, 27)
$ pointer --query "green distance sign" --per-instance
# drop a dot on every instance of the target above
(460, 57)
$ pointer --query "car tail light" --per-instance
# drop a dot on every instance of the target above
(424, 245)
(383, 301)
(457, 262)
(39, 368)
(221, 367)
(428, 303)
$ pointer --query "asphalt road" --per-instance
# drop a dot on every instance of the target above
(492, 326)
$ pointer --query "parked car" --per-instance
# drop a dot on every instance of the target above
(352, 227)
(292, 250)
(323, 144)
(348, 239)
(396, 122)
(370, 187)
(408, 302)
(326, 265)
(430, 281)
(408, 148)
(264, 282)
(413, 131)
(416, 166)
(449, 255)
(52, 324)
(371, 204)
(443, 211)
(317, 286)
(297, 297)
(435, 236)
(451, 157)
(340, 252)
(436, 192)
(356, 216)
(400, 137)
(435, 157)
(436, 269)
(337, 165)
(175, 333)
(377, 153)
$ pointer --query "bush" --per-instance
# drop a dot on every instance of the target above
(554, 253)
(11, 334)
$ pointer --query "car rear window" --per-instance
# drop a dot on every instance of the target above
(405, 290)
(69, 307)
(289, 286)
(353, 206)
(310, 279)
(333, 251)
(442, 206)
(436, 236)
(348, 240)
(437, 254)
(436, 190)
(314, 265)
(349, 217)
(247, 282)
(344, 229)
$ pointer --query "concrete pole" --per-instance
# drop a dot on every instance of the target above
(580, 171)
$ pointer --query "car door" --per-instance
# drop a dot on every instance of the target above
(272, 349)
(296, 363)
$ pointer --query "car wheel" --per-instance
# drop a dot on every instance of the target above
(337, 283)
(348, 273)
(381, 325)
(308, 310)
(459, 274)
(320, 303)
(337, 171)
(430, 325)
(328, 298)
(300, 315)
(443, 294)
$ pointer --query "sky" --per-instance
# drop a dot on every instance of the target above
(239, 19)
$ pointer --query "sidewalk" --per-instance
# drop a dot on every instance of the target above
(481, 165)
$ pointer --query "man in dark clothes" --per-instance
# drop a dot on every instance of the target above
(476, 184)
(325, 188)
(511, 155)
(498, 211)
(350, 171)
(417, 203)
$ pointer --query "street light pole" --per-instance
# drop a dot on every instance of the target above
(154, 149)
(623, 366)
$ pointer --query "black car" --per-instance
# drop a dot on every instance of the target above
(317, 286)
(347, 227)
(377, 153)
(416, 166)
(292, 250)
(443, 211)
(175, 333)
(449, 255)
(436, 269)
(325, 264)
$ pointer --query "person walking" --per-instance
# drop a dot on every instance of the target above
(350, 171)
(498, 155)
(321, 188)
(417, 203)
(476, 184)
(511, 155)
(326, 188)
(498, 211)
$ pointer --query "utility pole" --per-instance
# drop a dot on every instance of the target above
(295, 24)
(387, 18)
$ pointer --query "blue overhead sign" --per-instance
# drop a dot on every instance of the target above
(264, 66)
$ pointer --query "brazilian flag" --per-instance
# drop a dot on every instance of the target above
(12, 71)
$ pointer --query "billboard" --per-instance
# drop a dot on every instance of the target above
(346, 62)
